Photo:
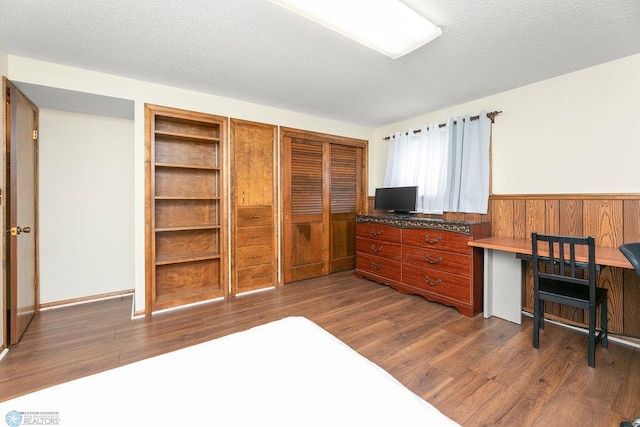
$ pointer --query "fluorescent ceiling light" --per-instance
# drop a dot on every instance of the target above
(388, 26)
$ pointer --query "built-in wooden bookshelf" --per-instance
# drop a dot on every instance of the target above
(185, 207)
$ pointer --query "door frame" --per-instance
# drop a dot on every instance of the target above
(3, 191)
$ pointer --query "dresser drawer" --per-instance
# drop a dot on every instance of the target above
(379, 248)
(252, 236)
(379, 266)
(451, 262)
(255, 277)
(437, 282)
(254, 255)
(254, 215)
(383, 232)
(436, 239)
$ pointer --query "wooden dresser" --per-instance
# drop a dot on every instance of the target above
(254, 264)
(423, 256)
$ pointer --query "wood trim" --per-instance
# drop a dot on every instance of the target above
(322, 137)
(180, 113)
(148, 219)
(83, 300)
(3, 195)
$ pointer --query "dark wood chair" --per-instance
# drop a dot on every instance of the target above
(632, 252)
(558, 277)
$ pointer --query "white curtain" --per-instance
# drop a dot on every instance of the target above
(421, 159)
(449, 164)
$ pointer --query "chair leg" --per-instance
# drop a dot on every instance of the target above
(541, 314)
(592, 337)
(536, 323)
(603, 323)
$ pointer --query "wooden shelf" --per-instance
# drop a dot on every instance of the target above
(187, 228)
(186, 198)
(187, 258)
(185, 166)
(187, 137)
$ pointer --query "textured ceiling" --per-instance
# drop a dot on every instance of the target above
(255, 51)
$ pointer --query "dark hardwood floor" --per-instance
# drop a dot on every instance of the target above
(479, 372)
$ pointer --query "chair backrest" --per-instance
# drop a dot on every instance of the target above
(554, 258)
(632, 252)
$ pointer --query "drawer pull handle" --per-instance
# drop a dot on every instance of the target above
(433, 242)
(374, 249)
(429, 282)
(376, 233)
(255, 216)
(376, 266)
(256, 276)
(256, 256)
(431, 261)
(256, 236)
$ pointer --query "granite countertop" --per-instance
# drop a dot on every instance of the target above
(418, 222)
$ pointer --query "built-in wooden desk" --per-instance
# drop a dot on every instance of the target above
(604, 256)
(503, 272)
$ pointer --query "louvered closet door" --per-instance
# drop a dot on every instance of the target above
(304, 210)
(324, 188)
(344, 199)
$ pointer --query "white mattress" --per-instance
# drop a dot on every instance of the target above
(290, 372)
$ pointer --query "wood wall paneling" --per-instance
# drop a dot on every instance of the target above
(519, 219)
(502, 215)
(571, 221)
(603, 220)
(631, 212)
(613, 219)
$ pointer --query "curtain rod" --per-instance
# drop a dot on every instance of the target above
(492, 115)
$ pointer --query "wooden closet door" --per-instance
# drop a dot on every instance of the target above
(345, 201)
(304, 210)
(253, 202)
(324, 187)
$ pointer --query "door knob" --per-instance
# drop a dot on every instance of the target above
(18, 230)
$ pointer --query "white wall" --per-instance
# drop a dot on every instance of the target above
(59, 76)
(577, 133)
(86, 211)
(4, 62)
